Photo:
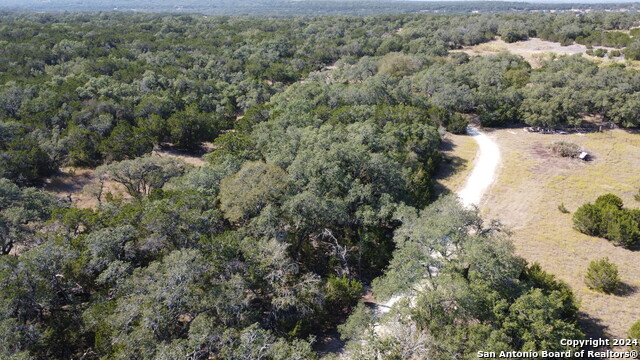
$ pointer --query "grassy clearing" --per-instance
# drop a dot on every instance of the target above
(532, 183)
(460, 150)
(535, 51)
(71, 181)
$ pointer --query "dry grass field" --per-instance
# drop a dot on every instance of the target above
(530, 185)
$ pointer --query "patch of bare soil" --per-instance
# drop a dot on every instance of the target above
(329, 343)
(534, 50)
(69, 184)
(548, 162)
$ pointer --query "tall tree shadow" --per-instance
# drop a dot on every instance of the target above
(593, 329)
(449, 166)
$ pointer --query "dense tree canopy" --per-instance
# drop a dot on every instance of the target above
(22, 212)
(324, 134)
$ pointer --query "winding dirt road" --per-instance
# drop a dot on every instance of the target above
(484, 169)
(482, 176)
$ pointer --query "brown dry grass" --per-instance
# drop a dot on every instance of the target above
(531, 183)
(71, 181)
(195, 160)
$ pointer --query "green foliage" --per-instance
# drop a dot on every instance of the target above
(346, 176)
(504, 114)
(456, 277)
(111, 95)
(159, 302)
(622, 228)
(342, 293)
(187, 129)
(244, 194)
(359, 322)
(124, 142)
(634, 332)
(74, 220)
(36, 286)
(569, 86)
(22, 213)
(563, 209)
(609, 200)
(587, 219)
(82, 147)
(329, 171)
(549, 107)
(538, 278)
(399, 65)
(607, 218)
(536, 321)
(24, 161)
(602, 275)
(254, 115)
(457, 124)
(616, 39)
(514, 30)
(253, 343)
(140, 176)
(411, 263)
(600, 52)
(633, 50)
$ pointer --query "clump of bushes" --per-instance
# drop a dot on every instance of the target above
(454, 122)
(457, 124)
(600, 52)
(565, 149)
(602, 275)
(597, 52)
(608, 219)
(634, 333)
(563, 209)
(342, 294)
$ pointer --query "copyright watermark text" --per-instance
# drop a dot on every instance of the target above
(592, 350)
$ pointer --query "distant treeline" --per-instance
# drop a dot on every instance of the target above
(291, 8)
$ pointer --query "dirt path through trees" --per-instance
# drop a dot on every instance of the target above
(482, 176)
(484, 169)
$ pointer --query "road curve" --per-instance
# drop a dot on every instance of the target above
(484, 169)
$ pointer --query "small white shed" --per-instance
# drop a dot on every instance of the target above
(584, 156)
